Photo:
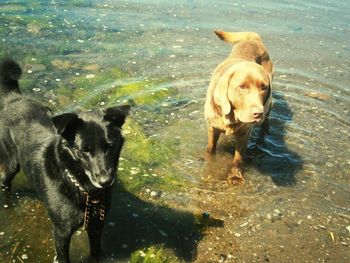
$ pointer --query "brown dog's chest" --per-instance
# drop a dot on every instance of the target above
(237, 128)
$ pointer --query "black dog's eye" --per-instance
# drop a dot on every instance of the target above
(87, 148)
(109, 145)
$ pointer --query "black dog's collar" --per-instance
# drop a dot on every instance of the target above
(90, 203)
(75, 182)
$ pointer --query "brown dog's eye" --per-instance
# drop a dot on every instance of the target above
(241, 86)
(263, 87)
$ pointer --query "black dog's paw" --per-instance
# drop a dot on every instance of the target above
(5, 187)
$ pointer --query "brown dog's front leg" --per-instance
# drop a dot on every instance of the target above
(213, 137)
(237, 171)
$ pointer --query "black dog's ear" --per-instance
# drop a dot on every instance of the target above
(62, 121)
(117, 114)
(67, 124)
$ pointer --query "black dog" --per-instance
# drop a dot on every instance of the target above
(71, 159)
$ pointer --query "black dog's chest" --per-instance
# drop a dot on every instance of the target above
(94, 211)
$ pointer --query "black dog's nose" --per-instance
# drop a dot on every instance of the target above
(105, 181)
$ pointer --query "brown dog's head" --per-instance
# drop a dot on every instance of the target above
(243, 92)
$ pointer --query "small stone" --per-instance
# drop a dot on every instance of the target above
(133, 172)
(90, 76)
(2, 233)
(206, 215)
(277, 212)
(163, 233)
(244, 224)
(24, 256)
(135, 215)
(6, 206)
(348, 228)
(154, 194)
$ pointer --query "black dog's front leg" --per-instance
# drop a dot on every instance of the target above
(95, 233)
(62, 237)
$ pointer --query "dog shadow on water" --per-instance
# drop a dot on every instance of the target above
(267, 151)
(135, 224)
(132, 224)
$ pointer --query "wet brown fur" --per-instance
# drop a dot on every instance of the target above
(239, 94)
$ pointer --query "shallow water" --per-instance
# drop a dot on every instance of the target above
(294, 205)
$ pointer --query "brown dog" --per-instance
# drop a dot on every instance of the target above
(239, 94)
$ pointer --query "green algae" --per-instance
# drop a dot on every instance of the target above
(92, 79)
(152, 255)
(146, 161)
(12, 8)
(95, 87)
(78, 3)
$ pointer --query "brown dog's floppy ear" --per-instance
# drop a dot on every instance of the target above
(268, 95)
(117, 114)
(220, 92)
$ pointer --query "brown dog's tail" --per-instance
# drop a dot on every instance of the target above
(234, 37)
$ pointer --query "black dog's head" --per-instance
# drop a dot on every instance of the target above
(91, 143)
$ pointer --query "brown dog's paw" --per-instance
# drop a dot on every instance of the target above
(236, 176)
(211, 150)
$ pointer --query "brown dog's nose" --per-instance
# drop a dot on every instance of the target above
(258, 113)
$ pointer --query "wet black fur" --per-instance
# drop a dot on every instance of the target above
(43, 146)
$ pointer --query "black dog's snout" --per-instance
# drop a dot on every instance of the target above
(105, 181)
